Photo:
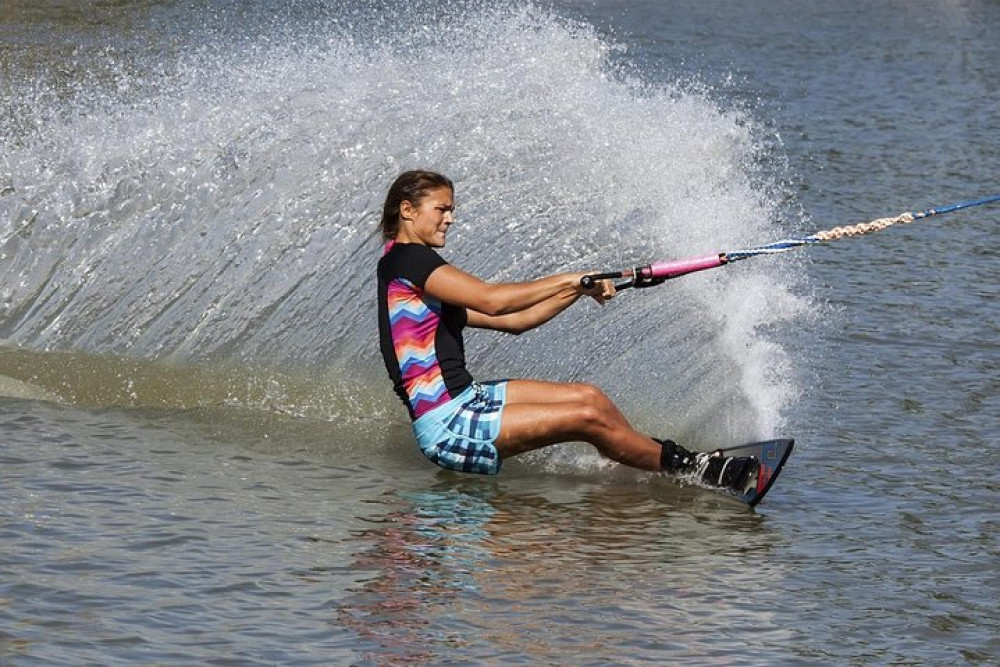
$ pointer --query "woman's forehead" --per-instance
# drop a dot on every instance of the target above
(440, 195)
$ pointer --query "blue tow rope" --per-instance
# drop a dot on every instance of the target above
(853, 230)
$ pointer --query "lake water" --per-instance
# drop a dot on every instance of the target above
(202, 461)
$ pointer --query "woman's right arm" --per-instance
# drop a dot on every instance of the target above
(452, 285)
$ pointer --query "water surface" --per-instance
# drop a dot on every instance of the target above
(201, 460)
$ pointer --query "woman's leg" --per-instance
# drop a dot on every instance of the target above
(538, 414)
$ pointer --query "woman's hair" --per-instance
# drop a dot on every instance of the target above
(410, 186)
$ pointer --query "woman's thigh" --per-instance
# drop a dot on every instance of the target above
(543, 391)
(528, 426)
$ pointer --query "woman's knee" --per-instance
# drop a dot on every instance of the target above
(594, 419)
(590, 394)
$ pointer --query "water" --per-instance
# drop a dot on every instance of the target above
(202, 461)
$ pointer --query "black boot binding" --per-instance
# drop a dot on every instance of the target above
(731, 472)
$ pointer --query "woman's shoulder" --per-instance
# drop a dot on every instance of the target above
(399, 246)
(410, 260)
(413, 252)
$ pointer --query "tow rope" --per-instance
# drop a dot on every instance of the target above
(658, 272)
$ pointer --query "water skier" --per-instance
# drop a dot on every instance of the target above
(424, 303)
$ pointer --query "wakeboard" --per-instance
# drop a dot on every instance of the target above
(772, 455)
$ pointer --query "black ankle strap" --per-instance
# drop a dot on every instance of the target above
(673, 457)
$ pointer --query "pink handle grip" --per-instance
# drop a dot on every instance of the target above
(667, 270)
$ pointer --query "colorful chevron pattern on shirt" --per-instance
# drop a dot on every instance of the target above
(414, 319)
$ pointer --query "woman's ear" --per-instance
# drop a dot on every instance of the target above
(406, 209)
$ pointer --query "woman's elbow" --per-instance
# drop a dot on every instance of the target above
(513, 325)
(495, 305)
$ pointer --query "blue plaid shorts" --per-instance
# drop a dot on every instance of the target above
(459, 435)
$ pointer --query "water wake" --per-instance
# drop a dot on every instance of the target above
(222, 210)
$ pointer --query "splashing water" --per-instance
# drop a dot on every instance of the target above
(220, 210)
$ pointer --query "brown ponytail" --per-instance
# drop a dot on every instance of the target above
(410, 186)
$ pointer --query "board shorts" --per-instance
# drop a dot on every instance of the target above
(460, 434)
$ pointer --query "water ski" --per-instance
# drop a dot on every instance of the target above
(745, 472)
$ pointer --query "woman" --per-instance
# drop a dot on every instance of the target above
(460, 424)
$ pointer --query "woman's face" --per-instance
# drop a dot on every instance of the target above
(428, 223)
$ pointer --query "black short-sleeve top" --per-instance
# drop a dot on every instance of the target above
(420, 337)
